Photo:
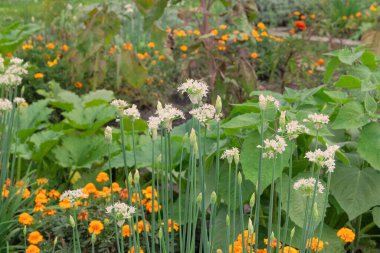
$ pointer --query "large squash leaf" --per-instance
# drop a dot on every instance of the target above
(369, 144)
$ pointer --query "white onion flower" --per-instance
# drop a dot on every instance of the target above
(73, 195)
(324, 158)
(168, 114)
(121, 211)
(108, 134)
(5, 105)
(133, 113)
(307, 185)
(265, 101)
(204, 113)
(195, 89)
(153, 125)
(272, 147)
(294, 129)
(317, 119)
(119, 104)
(12, 74)
(231, 154)
(19, 100)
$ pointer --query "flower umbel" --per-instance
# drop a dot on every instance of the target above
(317, 119)
(324, 158)
(306, 186)
(196, 90)
(122, 212)
(265, 101)
(272, 147)
(231, 154)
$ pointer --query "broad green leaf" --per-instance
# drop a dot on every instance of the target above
(66, 100)
(355, 189)
(376, 215)
(90, 117)
(370, 104)
(132, 70)
(368, 59)
(77, 151)
(297, 200)
(330, 68)
(351, 115)
(243, 121)
(347, 81)
(337, 96)
(250, 155)
(43, 142)
(154, 13)
(346, 55)
(97, 97)
(369, 144)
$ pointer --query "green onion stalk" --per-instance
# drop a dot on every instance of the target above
(289, 190)
(269, 247)
(241, 209)
(258, 192)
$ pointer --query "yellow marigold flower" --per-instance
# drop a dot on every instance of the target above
(244, 36)
(153, 62)
(19, 183)
(183, 48)
(223, 27)
(151, 45)
(288, 249)
(264, 34)
(197, 32)
(168, 30)
(261, 26)
(148, 192)
(344, 17)
(65, 203)
(42, 181)
(312, 16)
(254, 55)
(346, 234)
(183, 55)
(5, 192)
(27, 46)
(50, 212)
(161, 57)
(296, 13)
(38, 75)
(32, 249)
(25, 219)
(65, 48)
(35, 237)
(126, 231)
(180, 33)
(222, 48)
(225, 37)
(50, 45)
(52, 63)
(373, 8)
(96, 227)
(358, 14)
(214, 32)
(132, 250)
(89, 188)
(54, 194)
(102, 177)
(315, 243)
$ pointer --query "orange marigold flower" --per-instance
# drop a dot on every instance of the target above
(223, 27)
(27, 46)
(161, 57)
(310, 72)
(41, 198)
(273, 243)
(151, 45)
(344, 17)
(346, 234)
(39, 207)
(312, 16)
(300, 25)
(35, 237)
(39, 37)
(89, 188)
(148, 192)
(132, 250)
(373, 8)
(140, 226)
(180, 33)
(96, 227)
(32, 249)
(65, 203)
(65, 48)
(50, 45)
(50, 212)
(128, 46)
(149, 206)
(126, 231)
(197, 32)
(54, 194)
(303, 17)
(83, 216)
(172, 224)
(254, 55)
(78, 85)
(261, 26)
(102, 177)
(38, 75)
(315, 243)
(321, 61)
(25, 219)
(123, 194)
(183, 48)
(5, 192)
(19, 183)
(358, 14)
(224, 37)
(116, 187)
(25, 194)
(296, 13)
(214, 32)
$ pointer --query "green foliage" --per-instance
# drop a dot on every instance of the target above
(369, 144)
(13, 35)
